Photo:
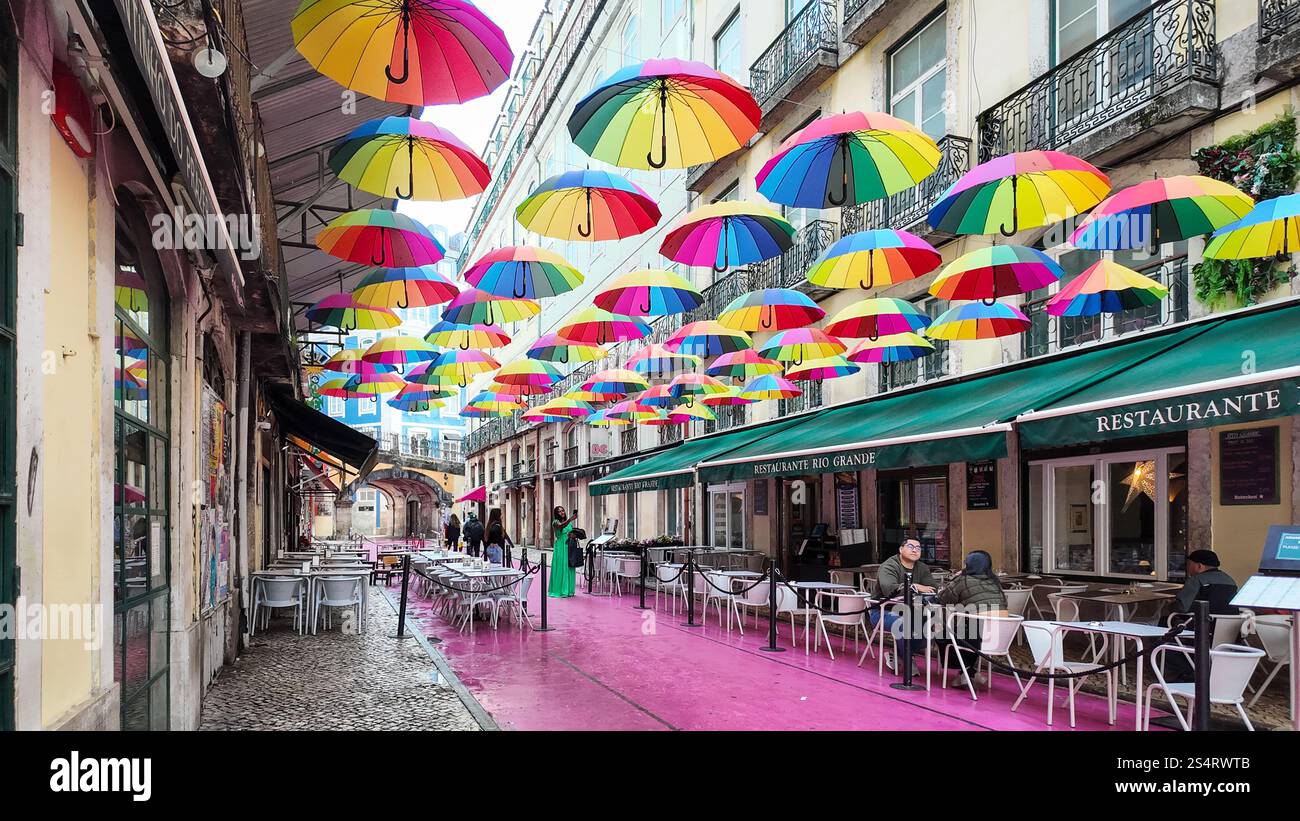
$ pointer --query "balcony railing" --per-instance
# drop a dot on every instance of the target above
(812, 397)
(851, 7)
(671, 433)
(791, 268)
(1169, 44)
(1278, 18)
(628, 439)
(571, 456)
(420, 447)
(811, 32)
(907, 208)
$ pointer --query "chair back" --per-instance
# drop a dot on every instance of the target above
(281, 592)
(787, 599)
(757, 591)
(1227, 629)
(1063, 608)
(715, 581)
(1041, 637)
(1275, 635)
(843, 577)
(1017, 600)
(629, 567)
(525, 584)
(1231, 666)
(851, 606)
(340, 590)
(996, 632)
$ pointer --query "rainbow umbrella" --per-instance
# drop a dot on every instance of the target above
(461, 366)
(405, 288)
(689, 386)
(589, 206)
(130, 291)
(657, 360)
(848, 159)
(580, 395)
(801, 345)
(631, 411)
(417, 52)
(1271, 229)
(434, 164)
(900, 347)
(601, 419)
(978, 320)
(832, 367)
(540, 416)
(344, 361)
(1027, 189)
(337, 388)
(1106, 287)
(415, 392)
(375, 384)
(707, 338)
(877, 317)
(727, 233)
(345, 312)
(770, 386)
(874, 258)
(691, 113)
(528, 373)
(659, 420)
(475, 307)
(657, 396)
(567, 408)
(410, 404)
(430, 384)
(619, 381)
(523, 271)
(400, 351)
(519, 390)
(596, 326)
(744, 364)
(998, 270)
(378, 237)
(483, 413)
(731, 397)
(685, 414)
(555, 348)
(492, 400)
(648, 293)
(770, 309)
(1161, 210)
(450, 335)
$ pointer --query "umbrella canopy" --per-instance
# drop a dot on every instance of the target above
(375, 384)
(417, 52)
(430, 384)
(877, 317)
(520, 390)
(338, 388)
(495, 402)
(400, 351)
(978, 320)
(848, 159)
(874, 258)
(451, 335)
(1272, 228)
(707, 338)
(555, 348)
(344, 312)
(771, 386)
(384, 239)
(486, 412)
(475, 307)
(998, 270)
(744, 364)
(801, 345)
(385, 154)
(538, 415)
(664, 114)
(586, 396)
(688, 386)
(420, 287)
(523, 271)
(616, 381)
(832, 367)
(461, 366)
(685, 414)
(657, 360)
(413, 404)
(1161, 210)
(531, 372)
(632, 411)
(596, 326)
(567, 408)
(657, 396)
(900, 347)
(344, 361)
(416, 393)
(600, 419)
(648, 293)
(728, 233)
(130, 291)
(1106, 287)
(590, 206)
(731, 397)
(1016, 191)
(770, 309)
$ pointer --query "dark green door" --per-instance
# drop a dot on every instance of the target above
(8, 424)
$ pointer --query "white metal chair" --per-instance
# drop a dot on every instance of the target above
(997, 633)
(1231, 666)
(1046, 644)
(1039, 603)
(1017, 602)
(338, 591)
(629, 569)
(787, 602)
(513, 598)
(755, 596)
(1275, 635)
(719, 590)
(270, 593)
(671, 580)
(851, 612)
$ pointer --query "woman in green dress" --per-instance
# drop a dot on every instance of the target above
(562, 575)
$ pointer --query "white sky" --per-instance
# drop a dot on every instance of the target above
(472, 121)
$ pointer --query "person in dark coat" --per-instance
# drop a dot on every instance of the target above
(452, 532)
(473, 532)
(1205, 582)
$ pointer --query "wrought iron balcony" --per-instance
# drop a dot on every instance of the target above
(1278, 18)
(1278, 55)
(798, 59)
(671, 433)
(1167, 52)
(908, 209)
(812, 397)
(449, 456)
(628, 439)
(790, 269)
(864, 19)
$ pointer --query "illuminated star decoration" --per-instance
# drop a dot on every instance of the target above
(1142, 480)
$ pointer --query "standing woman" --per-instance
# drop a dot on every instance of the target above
(496, 536)
(452, 532)
(563, 577)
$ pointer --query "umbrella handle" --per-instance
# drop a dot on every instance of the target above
(1015, 213)
(726, 248)
(663, 130)
(406, 49)
(648, 303)
(410, 172)
(767, 318)
(406, 297)
(378, 262)
(521, 283)
(586, 231)
(844, 177)
(871, 272)
(464, 346)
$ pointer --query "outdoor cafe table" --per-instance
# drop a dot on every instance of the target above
(1118, 598)
(482, 578)
(312, 576)
(816, 588)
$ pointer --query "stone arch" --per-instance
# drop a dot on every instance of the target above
(403, 485)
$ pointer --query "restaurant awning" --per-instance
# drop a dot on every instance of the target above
(601, 468)
(322, 437)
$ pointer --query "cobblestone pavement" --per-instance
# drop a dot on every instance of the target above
(333, 681)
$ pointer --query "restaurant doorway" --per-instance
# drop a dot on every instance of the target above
(799, 496)
(915, 505)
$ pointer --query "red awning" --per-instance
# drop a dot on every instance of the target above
(478, 494)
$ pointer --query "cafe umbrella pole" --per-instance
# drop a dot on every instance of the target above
(908, 629)
(771, 610)
(401, 610)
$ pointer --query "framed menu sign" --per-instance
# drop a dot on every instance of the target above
(846, 498)
(760, 497)
(982, 485)
(1248, 467)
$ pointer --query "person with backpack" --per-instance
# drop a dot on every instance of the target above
(497, 538)
(473, 533)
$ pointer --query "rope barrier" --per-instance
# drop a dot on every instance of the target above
(536, 569)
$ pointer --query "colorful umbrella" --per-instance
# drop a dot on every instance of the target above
(400, 351)
(770, 309)
(345, 312)
(565, 407)
(475, 307)
(580, 395)
(1023, 190)
(130, 291)
(478, 494)
(900, 347)
(727, 233)
(540, 416)
(801, 345)
(657, 360)
(978, 320)
(601, 419)
(1106, 287)
(832, 367)
(686, 111)
(685, 414)
(344, 361)
(555, 348)
(648, 293)
(337, 388)
(418, 397)
(707, 338)
(589, 206)
(1271, 229)
(417, 52)
(874, 258)
(688, 386)
(596, 326)
(433, 163)
(451, 335)
(731, 397)
(659, 420)
(385, 239)
(770, 387)
(877, 317)
(523, 271)
(405, 288)
(1161, 210)
(998, 270)
(461, 366)
(657, 396)
(495, 402)
(618, 381)
(744, 364)
(430, 384)
(632, 411)
(528, 373)
(411, 404)
(848, 159)
(519, 390)
(375, 384)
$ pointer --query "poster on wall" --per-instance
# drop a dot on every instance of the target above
(213, 486)
(1248, 467)
(982, 485)
(846, 500)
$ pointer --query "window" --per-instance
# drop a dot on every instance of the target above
(631, 44)
(334, 406)
(630, 507)
(934, 365)
(727, 515)
(1079, 23)
(672, 512)
(731, 194)
(918, 79)
(669, 11)
(793, 7)
(727, 54)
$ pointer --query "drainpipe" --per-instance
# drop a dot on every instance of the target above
(241, 484)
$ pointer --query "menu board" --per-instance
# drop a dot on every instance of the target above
(1248, 466)
(846, 500)
(760, 497)
(982, 485)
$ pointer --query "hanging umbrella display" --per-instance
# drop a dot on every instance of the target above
(473, 412)
(707, 338)
(383, 155)
(978, 320)
(416, 398)
(523, 272)
(657, 396)
(998, 270)
(848, 159)
(657, 360)
(877, 317)
(601, 419)
(615, 381)
(768, 387)
(900, 347)
(685, 414)
(431, 385)
(731, 397)
(1011, 193)
(648, 293)
(402, 288)
(337, 388)
(555, 348)
(344, 312)
(801, 345)
(475, 307)
(1161, 210)
(832, 367)
(596, 326)
(400, 351)
(1271, 229)
(451, 335)
(664, 114)
(770, 309)
(1106, 287)
(528, 373)
(378, 237)
(870, 259)
(589, 206)
(537, 415)
(744, 364)
(723, 234)
(461, 366)
(630, 410)
(375, 385)
(343, 361)
(130, 291)
(567, 408)
(690, 386)
(495, 402)
(659, 420)
(417, 52)
(579, 395)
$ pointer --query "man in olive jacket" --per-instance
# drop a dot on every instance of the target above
(890, 576)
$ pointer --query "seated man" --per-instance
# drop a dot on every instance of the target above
(1205, 582)
(890, 579)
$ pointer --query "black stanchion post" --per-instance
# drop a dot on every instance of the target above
(591, 566)
(771, 610)
(1201, 656)
(543, 577)
(645, 554)
(690, 589)
(401, 609)
(908, 628)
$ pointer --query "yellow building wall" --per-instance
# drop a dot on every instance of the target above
(981, 530)
(1238, 531)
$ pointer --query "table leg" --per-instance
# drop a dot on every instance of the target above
(1137, 696)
